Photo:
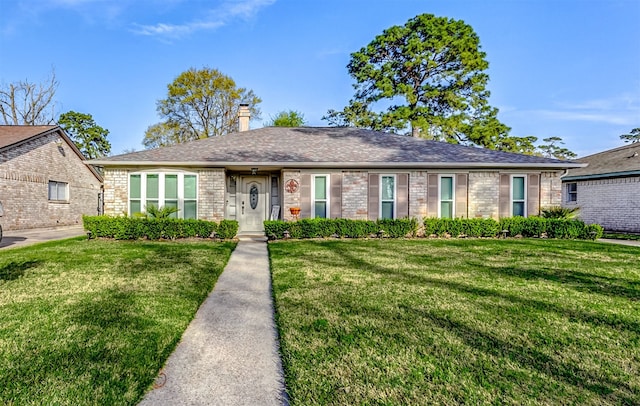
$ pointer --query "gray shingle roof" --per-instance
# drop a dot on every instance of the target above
(326, 146)
(620, 161)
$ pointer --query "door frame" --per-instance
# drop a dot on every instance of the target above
(243, 195)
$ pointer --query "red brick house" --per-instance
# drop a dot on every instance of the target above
(44, 181)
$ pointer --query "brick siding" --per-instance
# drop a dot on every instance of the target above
(25, 172)
(612, 203)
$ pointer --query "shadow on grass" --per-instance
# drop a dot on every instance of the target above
(610, 390)
(14, 270)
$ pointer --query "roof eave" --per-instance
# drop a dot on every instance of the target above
(601, 176)
(348, 165)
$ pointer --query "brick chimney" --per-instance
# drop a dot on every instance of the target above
(244, 115)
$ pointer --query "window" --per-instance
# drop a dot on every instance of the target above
(177, 190)
(572, 192)
(518, 196)
(320, 196)
(446, 197)
(387, 196)
(58, 191)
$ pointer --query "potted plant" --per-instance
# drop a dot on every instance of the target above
(295, 211)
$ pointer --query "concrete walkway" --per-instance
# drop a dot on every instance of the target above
(229, 354)
(632, 243)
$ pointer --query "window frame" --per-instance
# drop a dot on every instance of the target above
(524, 192)
(453, 194)
(395, 195)
(58, 184)
(161, 191)
(571, 193)
(327, 198)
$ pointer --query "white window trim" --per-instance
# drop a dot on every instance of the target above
(526, 185)
(395, 194)
(161, 192)
(453, 194)
(327, 193)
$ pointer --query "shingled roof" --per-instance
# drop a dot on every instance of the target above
(622, 161)
(16, 134)
(307, 147)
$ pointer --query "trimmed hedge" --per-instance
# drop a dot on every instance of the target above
(129, 228)
(342, 228)
(515, 226)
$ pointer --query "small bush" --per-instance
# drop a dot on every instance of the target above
(558, 212)
(129, 228)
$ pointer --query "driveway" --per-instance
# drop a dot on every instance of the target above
(19, 238)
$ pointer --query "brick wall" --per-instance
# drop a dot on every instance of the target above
(612, 203)
(484, 193)
(550, 189)
(25, 172)
(116, 189)
(211, 194)
(355, 186)
(290, 199)
(418, 195)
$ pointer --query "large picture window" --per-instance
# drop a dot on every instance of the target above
(320, 205)
(176, 190)
(58, 191)
(388, 196)
(446, 197)
(518, 196)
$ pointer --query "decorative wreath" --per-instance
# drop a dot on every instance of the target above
(291, 186)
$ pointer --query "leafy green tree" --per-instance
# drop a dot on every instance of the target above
(200, 103)
(632, 137)
(289, 118)
(552, 149)
(89, 137)
(431, 74)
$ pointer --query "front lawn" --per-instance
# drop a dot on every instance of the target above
(92, 322)
(458, 321)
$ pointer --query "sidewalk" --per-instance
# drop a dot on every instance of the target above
(229, 354)
(19, 238)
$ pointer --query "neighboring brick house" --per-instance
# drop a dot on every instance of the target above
(43, 179)
(607, 191)
(351, 173)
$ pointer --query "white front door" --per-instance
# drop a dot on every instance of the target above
(252, 204)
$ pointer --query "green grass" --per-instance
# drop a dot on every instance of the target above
(92, 322)
(621, 236)
(458, 321)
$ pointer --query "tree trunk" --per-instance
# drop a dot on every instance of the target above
(415, 131)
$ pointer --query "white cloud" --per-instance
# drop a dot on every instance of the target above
(618, 110)
(217, 17)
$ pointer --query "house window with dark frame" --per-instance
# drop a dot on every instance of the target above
(572, 192)
(58, 191)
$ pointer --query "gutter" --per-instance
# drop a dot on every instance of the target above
(602, 176)
(346, 165)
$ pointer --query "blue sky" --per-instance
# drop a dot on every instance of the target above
(567, 68)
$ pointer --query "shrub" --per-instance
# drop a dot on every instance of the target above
(344, 228)
(558, 212)
(129, 228)
(460, 226)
